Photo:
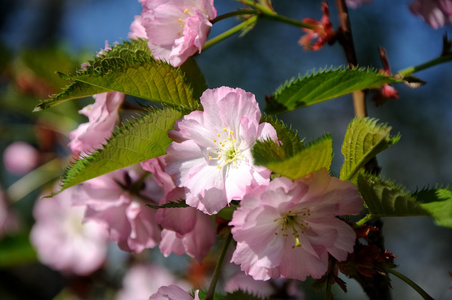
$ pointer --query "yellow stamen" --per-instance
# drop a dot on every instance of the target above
(186, 11)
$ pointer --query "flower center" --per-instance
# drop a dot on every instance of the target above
(293, 224)
(182, 19)
(226, 151)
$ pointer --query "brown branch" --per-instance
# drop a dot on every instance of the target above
(377, 287)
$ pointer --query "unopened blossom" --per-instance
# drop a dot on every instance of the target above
(62, 240)
(436, 13)
(173, 292)
(118, 200)
(141, 280)
(102, 117)
(185, 230)
(177, 29)
(20, 158)
(290, 227)
(322, 32)
(211, 150)
(385, 92)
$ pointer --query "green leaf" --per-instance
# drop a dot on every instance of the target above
(194, 76)
(324, 85)
(438, 202)
(289, 138)
(310, 158)
(129, 68)
(385, 199)
(364, 139)
(73, 91)
(136, 141)
(202, 295)
(241, 295)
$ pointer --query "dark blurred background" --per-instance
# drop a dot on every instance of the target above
(39, 37)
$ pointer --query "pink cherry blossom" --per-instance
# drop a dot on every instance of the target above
(289, 227)
(196, 243)
(20, 158)
(177, 29)
(185, 230)
(118, 200)
(140, 281)
(211, 150)
(436, 13)
(137, 29)
(102, 117)
(173, 292)
(62, 241)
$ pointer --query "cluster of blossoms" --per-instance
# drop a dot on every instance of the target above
(283, 228)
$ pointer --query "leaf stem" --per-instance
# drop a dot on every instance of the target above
(239, 12)
(364, 220)
(216, 274)
(229, 32)
(411, 283)
(345, 38)
(429, 64)
(271, 14)
(33, 180)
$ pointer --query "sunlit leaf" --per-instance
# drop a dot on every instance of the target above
(139, 140)
(310, 158)
(364, 139)
(129, 68)
(324, 85)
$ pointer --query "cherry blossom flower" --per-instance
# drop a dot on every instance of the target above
(140, 281)
(323, 31)
(20, 158)
(211, 150)
(118, 200)
(177, 29)
(195, 243)
(62, 241)
(289, 227)
(437, 13)
(137, 29)
(173, 292)
(102, 117)
(185, 230)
